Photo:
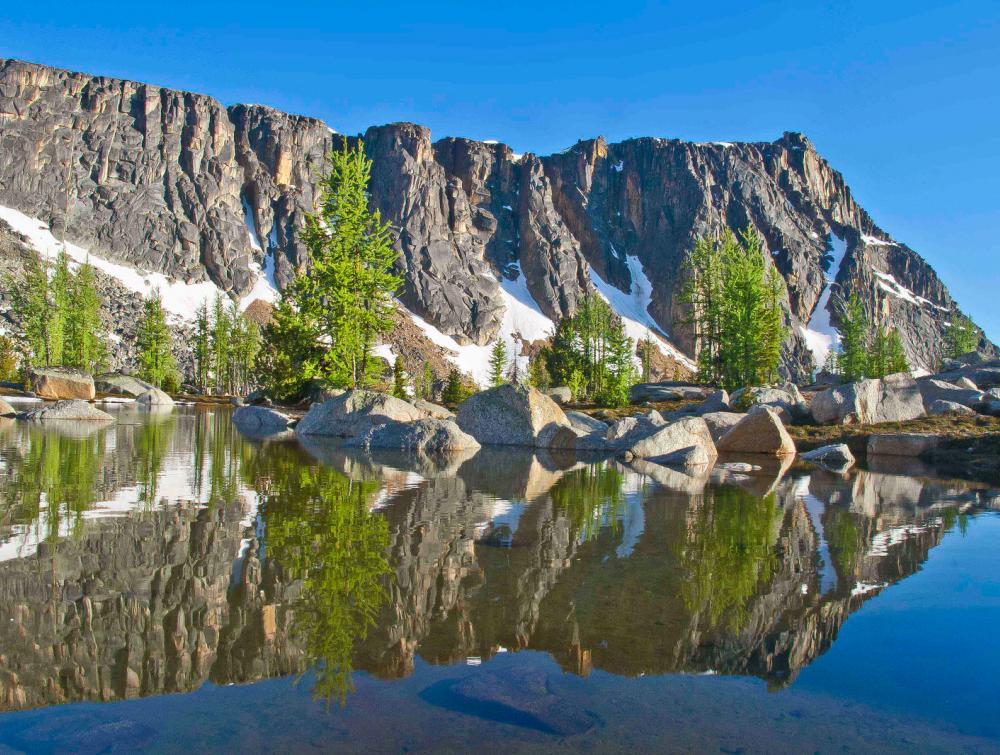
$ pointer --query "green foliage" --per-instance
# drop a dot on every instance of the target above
(961, 337)
(331, 318)
(202, 347)
(424, 385)
(591, 497)
(734, 299)
(83, 345)
(226, 348)
(398, 379)
(886, 354)
(538, 373)
(591, 354)
(854, 335)
(729, 554)
(456, 390)
(498, 364)
(154, 343)
(646, 358)
(61, 317)
(319, 529)
(8, 359)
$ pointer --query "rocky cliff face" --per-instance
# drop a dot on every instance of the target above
(174, 182)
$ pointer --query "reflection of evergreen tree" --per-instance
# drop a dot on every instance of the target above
(152, 439)
(57, 473)
(591, 498)
(318, 528)
(729, 553)
(844, 538)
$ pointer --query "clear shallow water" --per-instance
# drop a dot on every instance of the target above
(166, 584)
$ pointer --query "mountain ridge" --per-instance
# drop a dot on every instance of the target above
(175, 182)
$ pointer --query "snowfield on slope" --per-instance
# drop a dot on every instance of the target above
(820, 335)
(179, 299)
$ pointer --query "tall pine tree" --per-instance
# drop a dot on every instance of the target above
(498, 363)
(153, 340)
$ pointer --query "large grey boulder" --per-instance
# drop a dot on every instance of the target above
(425, 435)
(901, 444)
(432, 410)
(73, 409)
(668, 391)
(761, 431)
(154, 397)
(353, 413)
(119, 384)
(894, 398)
(512, 415)
(720, 423)
(59, 383)
(836, 456)
(672, 438)
(717, 401)
(629, 429)
(933, 389)
(6, 410)
(584, 423)
(940, 407)
(786, 399)
(561, 394)
(260, 421)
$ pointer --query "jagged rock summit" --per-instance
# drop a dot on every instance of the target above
(492, 244)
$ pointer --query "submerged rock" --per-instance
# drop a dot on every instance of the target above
(260, 421)
(67, 410)
(835, 456)
(511, 415)
(154, 397)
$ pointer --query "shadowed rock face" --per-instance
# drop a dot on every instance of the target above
(166, 180)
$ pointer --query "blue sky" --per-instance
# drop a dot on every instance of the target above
(902, 97)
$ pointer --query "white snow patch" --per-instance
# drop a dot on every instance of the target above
(896, 289)
(863, 588)
(250, 224)
(385, 351)
(634, 310)
(875, 241)
(179, 299)
(820, 335)
(618, 166)
(491, 141)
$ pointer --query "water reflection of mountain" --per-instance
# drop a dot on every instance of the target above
(360, 563)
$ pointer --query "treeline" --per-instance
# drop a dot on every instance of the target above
(60, 316)
(226, 347)
(733, 295)
(867, 349)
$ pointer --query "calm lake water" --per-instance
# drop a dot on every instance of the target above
(166, 584)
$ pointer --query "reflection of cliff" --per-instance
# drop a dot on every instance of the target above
(361, 563)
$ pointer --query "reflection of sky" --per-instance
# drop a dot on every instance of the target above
(633, 524)
(815, 507)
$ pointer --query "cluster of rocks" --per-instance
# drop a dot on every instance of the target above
(68, 395)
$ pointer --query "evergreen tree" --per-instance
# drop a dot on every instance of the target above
(734, 299)
(853, 360)
(32, 303)
(961, 337)
(646, 357)
(202, 347)
(455, 389)
(514, 373)
(83, 345)
(221, 343)
(153, 340)
(60, 288)
(538, 373)
(428, 382)
(398, 379)
(619, 368)
(244, 346)
(896, 360)
(348, 291)
(498, 364)
(8, 359)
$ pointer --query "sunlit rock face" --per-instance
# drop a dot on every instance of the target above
(175, 182)
(159, 553)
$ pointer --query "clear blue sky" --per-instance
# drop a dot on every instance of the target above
(902, 97)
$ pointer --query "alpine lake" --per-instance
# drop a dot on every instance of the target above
(167, 585)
